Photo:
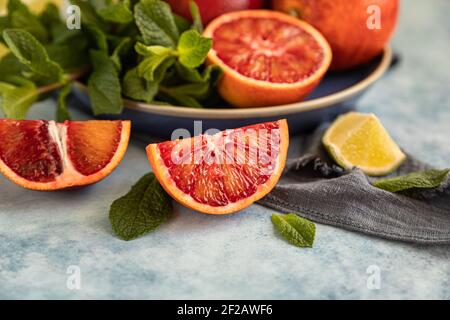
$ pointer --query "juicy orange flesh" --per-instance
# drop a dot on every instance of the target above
(27, 148)
(92, 144)
(268, 49)
(226, 168)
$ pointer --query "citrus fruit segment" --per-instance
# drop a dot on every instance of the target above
(45, 155)
(268, 58)
(224, 172)
(360, 140)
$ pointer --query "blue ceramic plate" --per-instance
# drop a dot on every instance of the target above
(336, 94)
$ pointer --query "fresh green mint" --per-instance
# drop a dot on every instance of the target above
(22, 18)
(142, 210)
(193, 48)
(104, 85)
(138, 49)
(197, 23)
(119, 12)
(30, 52)
(62, 113)
(156, 23)
(16, 99)
(418, 180)
(298, 231)
(137, 88)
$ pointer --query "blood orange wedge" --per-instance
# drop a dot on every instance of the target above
(224, 172)
(45, 155)
(268, 58)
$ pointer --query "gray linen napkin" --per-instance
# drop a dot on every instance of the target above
(315, 188)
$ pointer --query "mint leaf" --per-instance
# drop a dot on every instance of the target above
(195, 90)
(99, 38)
(104, 85)
(89, 15)
(118, 51)
(298, 231)
(142, 210)
(10, 66)
(22, 18)
(50, 16)
(210, 74)
(138, 88)
(159, 59)
(68, 57)
(118, 13)
(14, 5)
(418, 180)
(193, 48)
(156, 23)
(16, 100)
(197, 23)
(62, 113)
(147, 51)
(32, 54)
(182, 23)
(179, 99)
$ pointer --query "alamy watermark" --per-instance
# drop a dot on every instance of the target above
(74, 277)
(374, 279)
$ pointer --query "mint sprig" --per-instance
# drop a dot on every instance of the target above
(30, 52)
(298, 231)
(429, 179)
(17, 96)
(142, 210)
(156, 23)
(104, 85)
(134, 49)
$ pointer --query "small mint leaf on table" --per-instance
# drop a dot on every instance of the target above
(142, 210)
(298, 231)
(30, 52)
(193, 49)
(418, 180)
(16, 99)
(104, 85)
(62, 113)
(156, 23)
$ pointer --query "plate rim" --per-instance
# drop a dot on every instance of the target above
(260, 112)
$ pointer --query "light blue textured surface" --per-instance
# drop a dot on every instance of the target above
(239, 256)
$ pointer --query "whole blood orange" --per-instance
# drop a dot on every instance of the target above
(350, 26)
(45, 155)
(225, 172)
(268, 58)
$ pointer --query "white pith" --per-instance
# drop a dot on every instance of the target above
(70, 176)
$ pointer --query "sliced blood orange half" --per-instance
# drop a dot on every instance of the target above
(224, 172)
(45, 155)
(268, 58)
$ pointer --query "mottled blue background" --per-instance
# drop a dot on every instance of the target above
(239, 256)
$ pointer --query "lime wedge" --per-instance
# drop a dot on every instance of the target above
(360, 140)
